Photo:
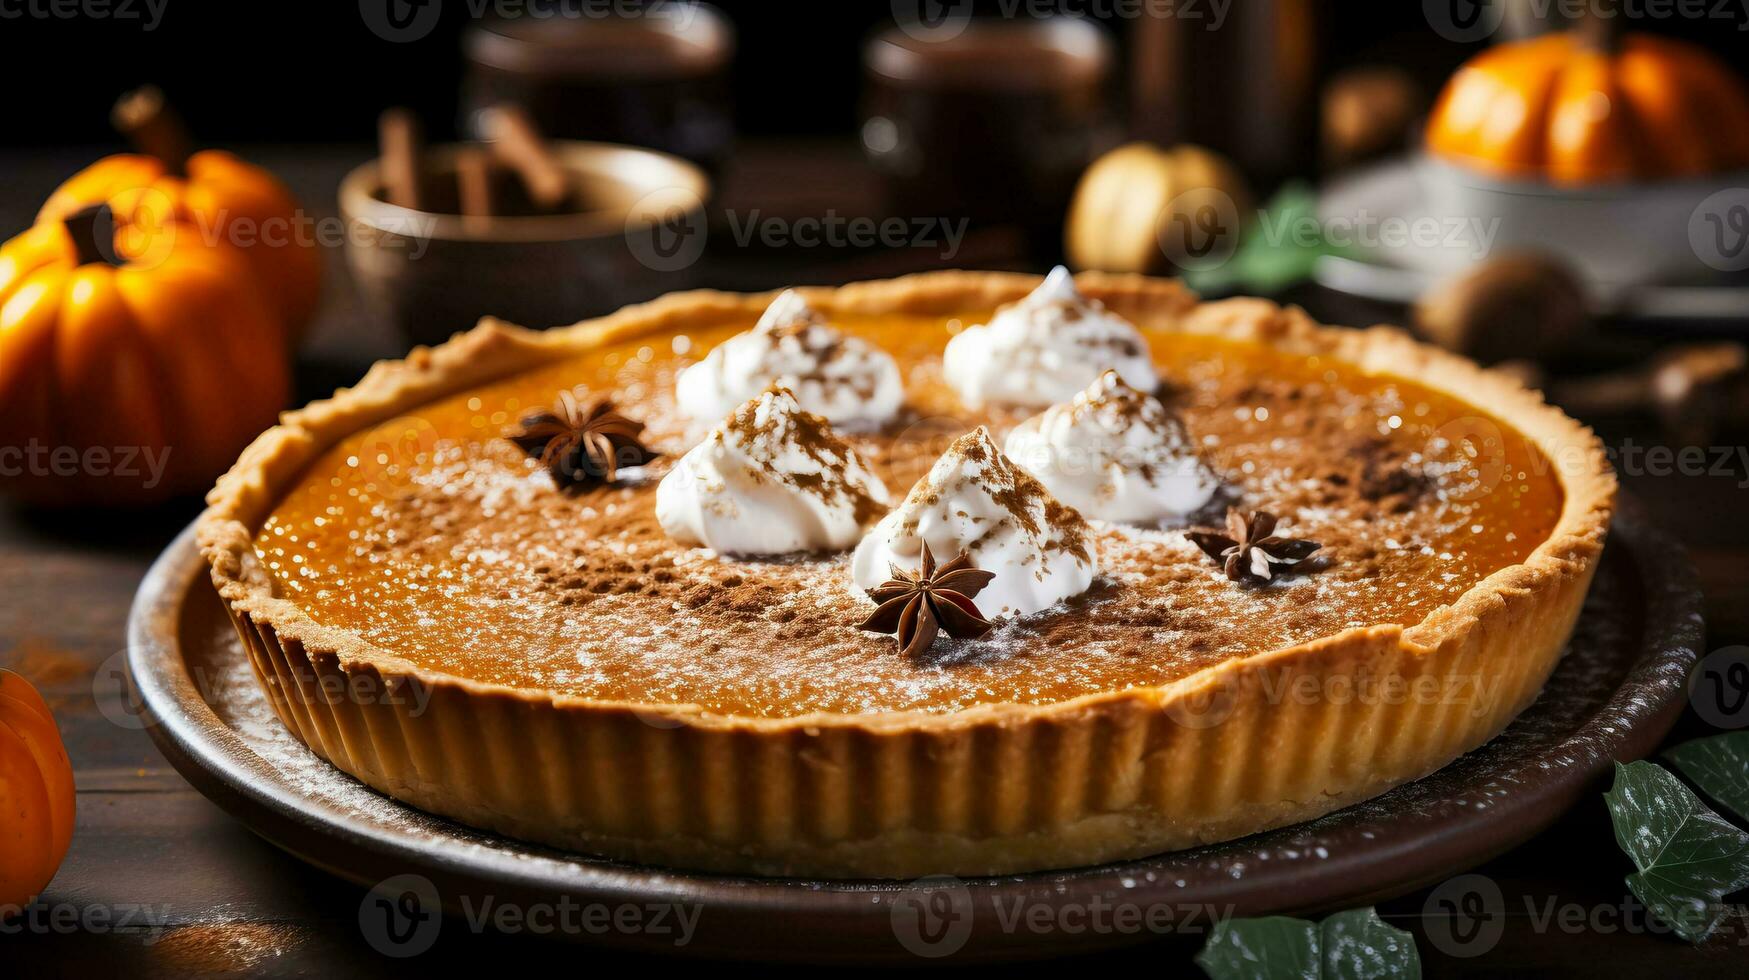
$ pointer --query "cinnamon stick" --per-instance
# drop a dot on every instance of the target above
(399, 142)
(144, 116)
(473, 177)
(520, 146)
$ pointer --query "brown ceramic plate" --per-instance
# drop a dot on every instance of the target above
(1616, 693)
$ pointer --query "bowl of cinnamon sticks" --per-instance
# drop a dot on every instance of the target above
(538, 232)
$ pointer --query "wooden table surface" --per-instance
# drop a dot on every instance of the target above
(160, 882)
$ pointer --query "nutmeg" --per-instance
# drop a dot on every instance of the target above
(1515, 306)
(1367, 112)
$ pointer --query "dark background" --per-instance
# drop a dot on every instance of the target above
(282, 72)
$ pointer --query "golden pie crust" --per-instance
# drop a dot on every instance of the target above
(1253, 743)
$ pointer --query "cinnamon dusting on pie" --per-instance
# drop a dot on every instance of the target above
(477, 551)
(812, 436)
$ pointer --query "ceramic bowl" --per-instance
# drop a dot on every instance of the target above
(638, 234)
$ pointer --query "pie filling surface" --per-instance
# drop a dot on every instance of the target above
(439, 542)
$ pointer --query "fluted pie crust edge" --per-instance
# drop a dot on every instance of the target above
(998, 788)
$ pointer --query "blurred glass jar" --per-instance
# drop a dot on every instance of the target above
(992, 120)
(655, 77)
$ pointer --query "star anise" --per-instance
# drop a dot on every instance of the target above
(1250, 551)
(916, 607)
(582, 443)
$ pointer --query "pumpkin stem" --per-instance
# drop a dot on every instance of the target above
(92, 230)
(1600, 31)
(146, 119)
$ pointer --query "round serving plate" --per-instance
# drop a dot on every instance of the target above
(1616, 693)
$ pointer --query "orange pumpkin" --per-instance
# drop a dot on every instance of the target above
(223, 197)
(1586, 108)
(135, 362)
(36, 794)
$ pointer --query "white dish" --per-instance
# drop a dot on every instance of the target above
(1408, 223)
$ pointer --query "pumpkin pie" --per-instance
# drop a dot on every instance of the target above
(957, 573)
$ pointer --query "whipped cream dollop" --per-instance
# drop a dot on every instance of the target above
(1045, 348)
(1116, 454)
(974, 499)
(842, 378)
(772, 479)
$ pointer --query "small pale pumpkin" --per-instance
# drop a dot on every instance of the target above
(225, 198)
(36, 794)
(1586, 108)
(1135, 195)
(135, 361)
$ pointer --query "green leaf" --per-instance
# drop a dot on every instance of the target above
(1688, 857)
(1719, 766)
(1277, 251)
(1359, 944)
(1353, 945)
(1276, 947)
